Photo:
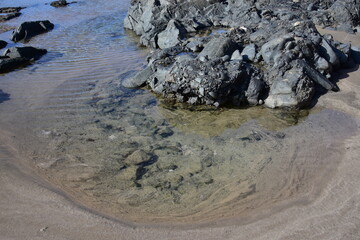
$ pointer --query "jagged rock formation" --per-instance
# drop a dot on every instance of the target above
(267, 51)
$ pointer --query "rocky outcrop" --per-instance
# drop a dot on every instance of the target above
(28, 30)
(8, 13)
(266, 52)
(18, 56)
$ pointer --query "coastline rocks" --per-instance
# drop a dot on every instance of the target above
(275, 56)
(28, 30)
(17, 56)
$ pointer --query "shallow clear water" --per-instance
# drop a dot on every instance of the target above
(125, 154)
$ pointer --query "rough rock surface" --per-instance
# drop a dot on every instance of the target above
(18, 56)
(28, 30)
(258, 51)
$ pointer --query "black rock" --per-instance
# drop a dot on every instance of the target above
(19, 56)
(60, 3)
(28, 30)
(2, 44)
(10, 9)
(9, 16)
(28, 53)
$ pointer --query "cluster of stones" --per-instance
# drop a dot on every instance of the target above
(16, 57)
(267, 51)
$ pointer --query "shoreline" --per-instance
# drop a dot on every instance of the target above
(34, 209)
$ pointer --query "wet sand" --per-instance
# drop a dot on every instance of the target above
(32, 209)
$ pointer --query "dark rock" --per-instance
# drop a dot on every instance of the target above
(8, 64)
(28, 53)
(218, 47)
(2, 44)
(265, 50)
(18, 56)
(9, 16)
(256, 86)
(60, 3)
(28, 30)
(355, 54)
(315, 75)
(328, 53)
(10, 9)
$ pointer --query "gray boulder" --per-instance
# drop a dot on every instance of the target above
(249, 52)
(139, 80)
(236, 55)
(28, 30)
(272, 50)
(171, 36)
(218, 47)
(294, 89)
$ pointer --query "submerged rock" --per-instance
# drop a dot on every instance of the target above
(28, 30)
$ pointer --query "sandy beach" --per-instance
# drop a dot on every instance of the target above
(32, 209)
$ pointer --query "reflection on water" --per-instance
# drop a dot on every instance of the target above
(213, 122)
(120, 152)
(4, 96)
